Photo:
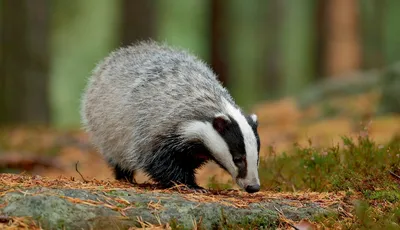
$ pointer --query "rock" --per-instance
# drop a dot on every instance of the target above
(58, 205)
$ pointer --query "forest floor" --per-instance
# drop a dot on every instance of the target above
(338, 148)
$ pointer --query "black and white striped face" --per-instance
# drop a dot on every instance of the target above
(233, 142)
(242, 139)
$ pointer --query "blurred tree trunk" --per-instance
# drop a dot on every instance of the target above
(269, 31)
(219, 40)
(244, 54)
(138, 20)
(297, 44)
(390, 100)
(321, 38)
(342, 45)
(371, 25)
(24, 62)
(391, 31)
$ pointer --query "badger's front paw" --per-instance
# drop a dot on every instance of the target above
(198, 189)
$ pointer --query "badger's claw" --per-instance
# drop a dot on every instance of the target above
(199, 190)
(193, 189)
(128, 180)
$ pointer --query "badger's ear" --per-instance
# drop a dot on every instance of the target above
(220, 122)
(254, 119)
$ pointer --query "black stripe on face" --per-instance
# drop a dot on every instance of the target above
(233, 137)
(254, 125)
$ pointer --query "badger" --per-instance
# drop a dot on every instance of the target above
(160, 109)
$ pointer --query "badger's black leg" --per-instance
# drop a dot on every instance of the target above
(169, 174)
(124, 175)
(171, 167)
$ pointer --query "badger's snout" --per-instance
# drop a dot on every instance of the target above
(252, 188)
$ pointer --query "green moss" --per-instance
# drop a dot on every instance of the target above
(391, 196)
(140, 205)
(117, 193)
(174, 224)
(254, 221)
(61, 224)
(113, 222)
(257, 223)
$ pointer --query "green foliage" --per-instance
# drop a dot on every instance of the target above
(329, 219)
(359, 166)
(369, 217)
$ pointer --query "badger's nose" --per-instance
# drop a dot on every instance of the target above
(253, 188)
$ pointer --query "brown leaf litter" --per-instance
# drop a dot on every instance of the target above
(236, 198)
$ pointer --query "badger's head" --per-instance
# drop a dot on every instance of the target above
(233, 142)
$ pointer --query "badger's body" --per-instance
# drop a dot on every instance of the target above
(161, 110)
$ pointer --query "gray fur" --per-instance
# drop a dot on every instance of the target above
(140, 95)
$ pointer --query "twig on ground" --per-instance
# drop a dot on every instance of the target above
(76, 168)
(283, 218)
(394, 175)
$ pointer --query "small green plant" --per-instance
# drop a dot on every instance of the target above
(369, 217)
(391, 196)
(356, 166)
(360, 166)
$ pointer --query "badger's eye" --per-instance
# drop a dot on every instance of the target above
(239, 160)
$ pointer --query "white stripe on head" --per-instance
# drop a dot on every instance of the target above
(205, 132)
(250, 146)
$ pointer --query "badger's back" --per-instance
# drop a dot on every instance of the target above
(139, 95)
